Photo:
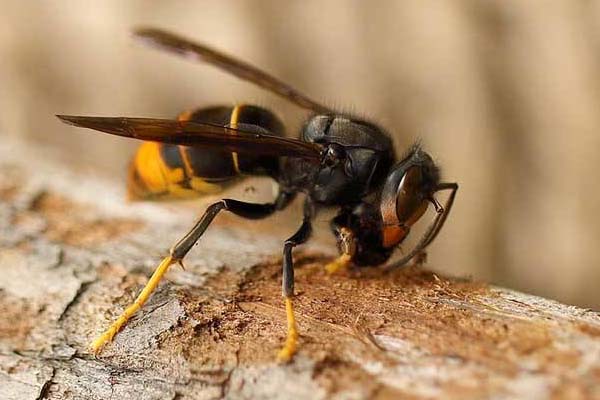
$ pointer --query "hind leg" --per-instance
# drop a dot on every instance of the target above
(181, 248)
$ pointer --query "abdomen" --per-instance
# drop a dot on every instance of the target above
(161, 170)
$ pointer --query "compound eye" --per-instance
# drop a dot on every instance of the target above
(411, 203)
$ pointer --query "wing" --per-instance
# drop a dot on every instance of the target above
(198, 135)
(197, 52)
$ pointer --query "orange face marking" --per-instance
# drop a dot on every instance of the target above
(393, 234)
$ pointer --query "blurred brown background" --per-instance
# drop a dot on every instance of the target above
(504, 93)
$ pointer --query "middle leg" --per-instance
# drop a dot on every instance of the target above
(287, 285)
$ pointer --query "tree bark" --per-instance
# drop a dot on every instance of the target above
(73, 255)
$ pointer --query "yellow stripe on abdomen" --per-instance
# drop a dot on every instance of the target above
(166, 171)
(233, 122)
(151, 178)
(151, 169)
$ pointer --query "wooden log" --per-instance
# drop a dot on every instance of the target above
(73, 255)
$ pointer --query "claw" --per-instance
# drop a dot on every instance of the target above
(341, 262)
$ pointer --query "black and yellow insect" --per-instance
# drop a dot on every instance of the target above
(339, 161)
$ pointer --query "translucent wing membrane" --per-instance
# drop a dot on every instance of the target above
(198, 52)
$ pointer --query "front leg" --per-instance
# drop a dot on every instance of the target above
(347, 247)
(287, 284)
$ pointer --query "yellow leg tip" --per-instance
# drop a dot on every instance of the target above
(286, 354)
(291, 343)
(108, 335)
(339, 263)
(97, 345)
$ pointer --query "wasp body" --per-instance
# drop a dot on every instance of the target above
(338, 161)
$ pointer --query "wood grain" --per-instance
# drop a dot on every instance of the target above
(72, 255)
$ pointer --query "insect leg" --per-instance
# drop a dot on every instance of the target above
(347, 245)
(453, 187)
(178, 252)
(287, 285)
(433, 229)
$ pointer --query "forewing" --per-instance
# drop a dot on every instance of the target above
(198, 134)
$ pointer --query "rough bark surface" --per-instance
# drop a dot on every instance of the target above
(73, 255)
